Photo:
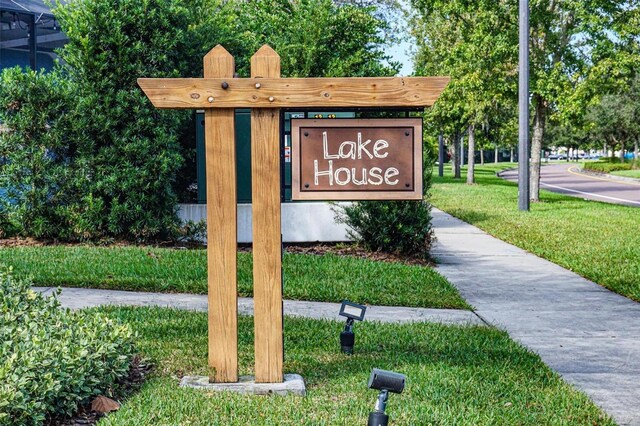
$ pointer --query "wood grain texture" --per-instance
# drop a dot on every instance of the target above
(267, 239)
(221, 228)
(294, 92)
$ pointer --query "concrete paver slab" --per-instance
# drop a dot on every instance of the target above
(78, 298)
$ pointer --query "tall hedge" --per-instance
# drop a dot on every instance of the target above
(38, 168)
(131, 148)
(116, 173)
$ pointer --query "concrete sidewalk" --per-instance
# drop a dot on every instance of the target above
(78, 298)
(586, 333)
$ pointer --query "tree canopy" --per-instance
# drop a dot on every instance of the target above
(579, 51)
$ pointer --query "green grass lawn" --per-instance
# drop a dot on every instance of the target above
(627, 173)
(455, 376)
(597, 240)
(306, 277)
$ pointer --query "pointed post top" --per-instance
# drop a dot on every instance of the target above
(219, 63)
(218, 51)
(265, 63)
(265, 50)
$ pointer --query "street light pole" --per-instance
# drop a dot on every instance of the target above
(440, 155)
(523, 107)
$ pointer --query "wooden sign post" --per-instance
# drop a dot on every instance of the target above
(265, 92)
(267, 239)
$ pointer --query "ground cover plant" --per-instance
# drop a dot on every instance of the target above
(306, 277)
(559, 228)
(609, 165)
(52, 359)
(456, 375)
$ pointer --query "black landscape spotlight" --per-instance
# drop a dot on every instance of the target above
(385, 382)
(353, 312)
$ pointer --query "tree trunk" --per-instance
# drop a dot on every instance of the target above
(605, 150)
(471, 161)
(495, 154)
(635, 150)
(455, 162)
(622, 151)
(511, 155)
(482, 156)
(539, 122)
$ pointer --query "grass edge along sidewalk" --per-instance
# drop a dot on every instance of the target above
(325, 278)
(596, 240)
(455, 375)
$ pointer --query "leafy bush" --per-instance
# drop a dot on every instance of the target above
(52, 359)
(607, 166)
(131, 147)
(402, 227)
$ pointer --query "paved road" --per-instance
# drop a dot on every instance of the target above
(565, 179)
(586, 333)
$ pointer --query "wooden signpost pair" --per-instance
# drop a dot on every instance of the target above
(219, 93)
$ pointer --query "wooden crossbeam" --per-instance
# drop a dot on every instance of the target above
(293, 92)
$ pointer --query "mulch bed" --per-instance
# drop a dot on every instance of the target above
(355, 250)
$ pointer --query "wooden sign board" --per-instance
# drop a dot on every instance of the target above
(357, 159)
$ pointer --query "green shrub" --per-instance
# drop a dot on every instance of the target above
(52, 359)
(402, 227)
(607, 166)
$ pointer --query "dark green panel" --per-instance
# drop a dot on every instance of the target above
(243, 151)
(200, 159)
(243, 156)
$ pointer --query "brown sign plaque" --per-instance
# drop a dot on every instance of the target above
(357, 159)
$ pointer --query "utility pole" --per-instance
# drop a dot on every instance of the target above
(523, 107)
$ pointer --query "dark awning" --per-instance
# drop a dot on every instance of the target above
(29, 33)
(35, 7)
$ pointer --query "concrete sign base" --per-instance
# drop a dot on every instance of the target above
(293, 385)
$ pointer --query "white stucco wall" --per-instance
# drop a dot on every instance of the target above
(301, 222)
